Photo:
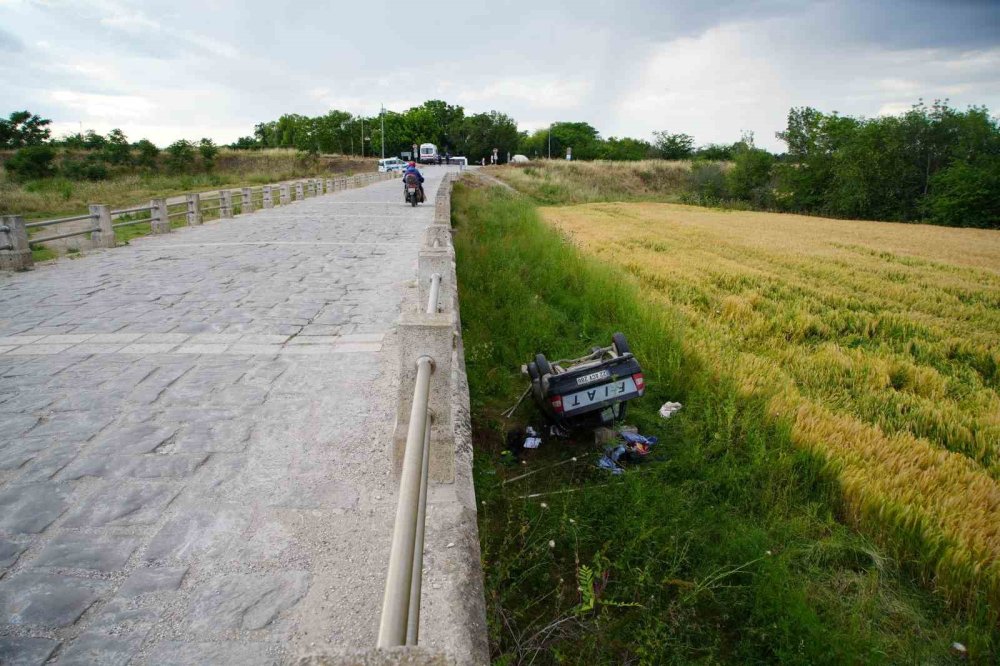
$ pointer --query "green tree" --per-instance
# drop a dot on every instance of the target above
(117, 149)
(23, 128)
(750, 177)
(673, 146)
(208, 151)
(479, 134)
(180, 156)
(147, 153)
(626, 149)
(32, 162)
(715, 152)
(94, 141)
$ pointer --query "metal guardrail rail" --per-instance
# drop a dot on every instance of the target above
(400, 621)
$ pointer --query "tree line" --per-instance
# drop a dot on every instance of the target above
(92, 156)
(933, 163)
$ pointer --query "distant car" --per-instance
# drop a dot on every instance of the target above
(390, 164)
(519, 159)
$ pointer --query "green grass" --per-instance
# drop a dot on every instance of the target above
(725, 548)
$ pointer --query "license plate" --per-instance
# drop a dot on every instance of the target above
(596, 394)
(413, 190)
(593, 377)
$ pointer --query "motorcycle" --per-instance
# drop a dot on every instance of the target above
(412, 190)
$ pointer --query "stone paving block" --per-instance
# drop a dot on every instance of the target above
(140, 438)
(20, 339)
(71, 338)
(70, 427)
(45, 599)
(6, 348)
(254, 349)
(10, 551)
(213, 431)
(26, 402)
(120, 616)
(38, 350)
(145, 349)
(115, 337)
(100, 650)
(245, 601)
(26, 651)
(122, 505)
(105, 553)
(202, 349)
(263, 339)
(155, 466)
(13, 425)
(149, 580)
(222, 653)
(89, 348)
(30, 509)
(164, 338)
(197, 532)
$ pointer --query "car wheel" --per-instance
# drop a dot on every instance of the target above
(620, 344)
(533, 371)
(543, 365)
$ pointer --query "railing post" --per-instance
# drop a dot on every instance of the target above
(286, 195)
(103, 234)
(246, 201)
(193, 209)
(225, 203)
(159, 222)
(299, 196)
(329, 185)
(268, 197)
(15, 252)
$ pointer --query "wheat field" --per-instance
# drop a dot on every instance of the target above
(878, 343)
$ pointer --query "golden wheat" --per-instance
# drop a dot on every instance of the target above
(879, 343)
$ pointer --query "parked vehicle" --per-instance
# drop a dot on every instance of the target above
(428, 153)
(590, 391)
(391, 164)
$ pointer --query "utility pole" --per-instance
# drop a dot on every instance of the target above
(550, 141)
(362, 136)
(382, 115)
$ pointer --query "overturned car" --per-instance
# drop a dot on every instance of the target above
(587, 392)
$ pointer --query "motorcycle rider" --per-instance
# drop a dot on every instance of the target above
(411, 167)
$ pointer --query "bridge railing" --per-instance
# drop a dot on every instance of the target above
(100, 222)
(424, 441)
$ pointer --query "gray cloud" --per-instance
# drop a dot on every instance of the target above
(183, 69)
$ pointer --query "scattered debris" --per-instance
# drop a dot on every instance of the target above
(669, 409)
(634, 448)
(959, 649)
(532, 441)
(536, 471)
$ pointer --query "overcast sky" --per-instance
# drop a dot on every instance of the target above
(170, 69)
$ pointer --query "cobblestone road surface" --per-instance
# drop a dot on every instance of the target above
(194, 436)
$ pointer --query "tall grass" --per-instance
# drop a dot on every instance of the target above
(54, 197)
(555, 181)
(725, 548)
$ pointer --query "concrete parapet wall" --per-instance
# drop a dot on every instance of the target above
(453, 608)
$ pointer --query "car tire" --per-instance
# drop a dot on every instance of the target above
(620, 344)
(543, 365)
(533, 371)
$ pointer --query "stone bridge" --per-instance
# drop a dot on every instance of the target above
(196, 438)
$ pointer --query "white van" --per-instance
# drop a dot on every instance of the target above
(391, 164)
(428, 153)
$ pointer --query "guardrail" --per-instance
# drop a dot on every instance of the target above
(17, 236)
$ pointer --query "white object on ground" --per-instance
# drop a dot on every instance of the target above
(669, 409)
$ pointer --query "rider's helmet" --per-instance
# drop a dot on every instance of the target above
(412, 163)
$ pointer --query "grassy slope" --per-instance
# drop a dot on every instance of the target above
(57, 197)
(728, 542)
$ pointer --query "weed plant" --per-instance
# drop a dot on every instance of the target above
(725, 548)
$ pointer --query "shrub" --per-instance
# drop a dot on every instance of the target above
(180, 156)
(750, 178)
(92, 167)
(208, 151)
(148, 152)
(32, 162)
(117, 149)
(707, 182)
